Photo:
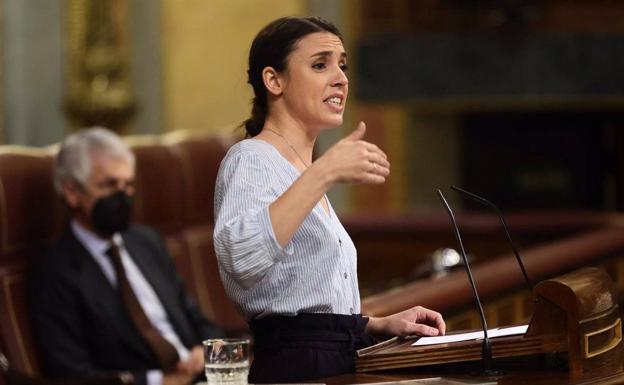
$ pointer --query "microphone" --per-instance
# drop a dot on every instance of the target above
(504, 223)
(486, 347)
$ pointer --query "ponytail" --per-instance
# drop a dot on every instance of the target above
(255, 123)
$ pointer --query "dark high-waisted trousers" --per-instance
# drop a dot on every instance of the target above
(306, 346)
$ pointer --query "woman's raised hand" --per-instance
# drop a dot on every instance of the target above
(353, 160)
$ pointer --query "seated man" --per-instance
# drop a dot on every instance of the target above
(107, 297)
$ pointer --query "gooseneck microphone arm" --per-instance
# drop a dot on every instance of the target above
(486, 347)
(504, 223)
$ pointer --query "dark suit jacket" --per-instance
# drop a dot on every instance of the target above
(79, 322)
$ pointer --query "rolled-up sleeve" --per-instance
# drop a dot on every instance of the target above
(244, 239)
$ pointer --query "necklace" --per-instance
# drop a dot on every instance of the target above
(289, 145)
(300, 158)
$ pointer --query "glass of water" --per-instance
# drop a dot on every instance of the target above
(226, 361)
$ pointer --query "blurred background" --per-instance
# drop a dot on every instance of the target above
(520, 100)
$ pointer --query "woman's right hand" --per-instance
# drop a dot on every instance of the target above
(353, 160)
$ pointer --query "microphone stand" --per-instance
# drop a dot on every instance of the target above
(486, 202)
(486, 347)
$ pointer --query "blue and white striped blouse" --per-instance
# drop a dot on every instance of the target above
(314, 273)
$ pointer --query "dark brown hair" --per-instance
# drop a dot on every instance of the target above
(271, 48)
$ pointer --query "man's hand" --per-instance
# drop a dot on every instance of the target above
(177, 378)
(415, 321)
(195, 362)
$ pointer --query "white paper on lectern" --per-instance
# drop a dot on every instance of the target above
(508, 331)
(492, 333)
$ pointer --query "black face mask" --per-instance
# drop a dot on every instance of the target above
(112, 213)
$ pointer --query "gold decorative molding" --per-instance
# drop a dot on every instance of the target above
(99, 88)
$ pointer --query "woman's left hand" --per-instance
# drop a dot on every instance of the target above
(415, 321)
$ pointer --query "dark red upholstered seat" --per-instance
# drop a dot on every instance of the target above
(31, 217)
(159, 186)
(199, 159)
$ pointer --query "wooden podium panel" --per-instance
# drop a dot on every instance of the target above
(576, 315)
(393, 355)
(523, 372)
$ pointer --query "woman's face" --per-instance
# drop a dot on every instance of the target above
(315, 86)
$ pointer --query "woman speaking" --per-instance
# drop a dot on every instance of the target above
(284, 257)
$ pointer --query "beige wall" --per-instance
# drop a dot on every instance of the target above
(205, 47)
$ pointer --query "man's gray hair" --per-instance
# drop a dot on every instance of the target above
(73, 161)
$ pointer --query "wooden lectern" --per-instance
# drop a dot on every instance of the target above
(576, 313)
